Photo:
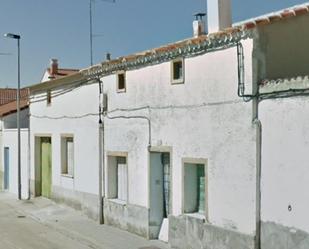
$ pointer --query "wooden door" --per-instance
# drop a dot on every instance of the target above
(46, 166)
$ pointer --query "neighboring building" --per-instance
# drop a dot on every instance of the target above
(8, 140)
(54, 72)
(203, 142)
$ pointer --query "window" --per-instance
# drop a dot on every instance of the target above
(117, 178)
(67, 156)
(194, 188)
(48, 97)
(121, 82)
(177, 71)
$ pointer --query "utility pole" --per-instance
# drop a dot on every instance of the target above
(91, 26)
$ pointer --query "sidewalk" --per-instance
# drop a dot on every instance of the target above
(42, 224)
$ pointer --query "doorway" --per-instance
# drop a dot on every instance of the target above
(160, 190)
(6, 179)
(43, 170)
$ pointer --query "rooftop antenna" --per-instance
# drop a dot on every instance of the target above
(91, 26)
(5, 54)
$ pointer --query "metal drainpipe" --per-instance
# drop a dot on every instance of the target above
(101, 169)
(258, 124)
(29, 158)
(101, 156)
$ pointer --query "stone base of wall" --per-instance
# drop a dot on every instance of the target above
(85, 202)
(276, 236)
(128, 217)
(187, 232)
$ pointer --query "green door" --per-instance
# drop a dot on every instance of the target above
(46, 166)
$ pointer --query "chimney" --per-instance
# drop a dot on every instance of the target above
(108, 56)
(198, 25)
(53, 67)
(219, 15)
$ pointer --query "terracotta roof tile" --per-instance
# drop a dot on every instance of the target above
(12, 107)
(9, 94)
(62, 72)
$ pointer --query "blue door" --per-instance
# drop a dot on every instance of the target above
(6, 167)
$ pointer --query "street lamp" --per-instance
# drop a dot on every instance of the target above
(17, 37)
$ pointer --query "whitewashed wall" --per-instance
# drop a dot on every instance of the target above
(9, 139)
(78, 102)
(285, 157)
(220, 131)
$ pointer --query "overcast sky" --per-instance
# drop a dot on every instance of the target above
(60, 29)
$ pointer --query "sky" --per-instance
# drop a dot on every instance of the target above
(60, 29)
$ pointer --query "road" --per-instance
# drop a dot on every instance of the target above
(42, 224)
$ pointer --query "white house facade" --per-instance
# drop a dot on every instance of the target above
(201, 143)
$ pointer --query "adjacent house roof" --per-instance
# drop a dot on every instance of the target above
(62, 72)
(8, 100)
(9, 94)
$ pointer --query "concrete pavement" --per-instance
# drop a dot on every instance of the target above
(42, 224)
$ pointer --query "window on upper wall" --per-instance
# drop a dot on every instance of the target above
(48, 97)
(194, 188)
(67, 155)
(177, 71)
(117, 180)
(121, 82)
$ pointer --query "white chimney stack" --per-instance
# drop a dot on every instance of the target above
(219, 15)
(199, 25)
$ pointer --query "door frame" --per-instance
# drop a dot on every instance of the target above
(37, 162)
(160, 149)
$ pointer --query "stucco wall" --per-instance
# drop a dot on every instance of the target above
(79, 101)
(202, 118)
(10, 140)
(284, 43)
(285, 175)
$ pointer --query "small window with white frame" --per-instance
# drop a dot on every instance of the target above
(121, 82)
(117, 180)
(67, 156)
(177, 71)
(195, 188)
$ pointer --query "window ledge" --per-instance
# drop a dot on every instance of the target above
(196, 216)
(121, 90)
(178, 81)
(117, 201)
(67, 176)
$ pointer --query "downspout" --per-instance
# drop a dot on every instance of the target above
(29, 158)
(29, 151)
(101, 157)
(258, 124)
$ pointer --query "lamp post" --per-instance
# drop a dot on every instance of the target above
(17, 37)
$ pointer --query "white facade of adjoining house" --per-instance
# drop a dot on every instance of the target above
(9, 153)
(79, 189)
(201, 119)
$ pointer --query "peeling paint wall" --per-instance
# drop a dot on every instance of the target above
(126, 216)
(186, 232)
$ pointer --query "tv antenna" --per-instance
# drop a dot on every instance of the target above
(91, 26)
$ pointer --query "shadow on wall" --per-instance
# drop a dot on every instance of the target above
(285, 46)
